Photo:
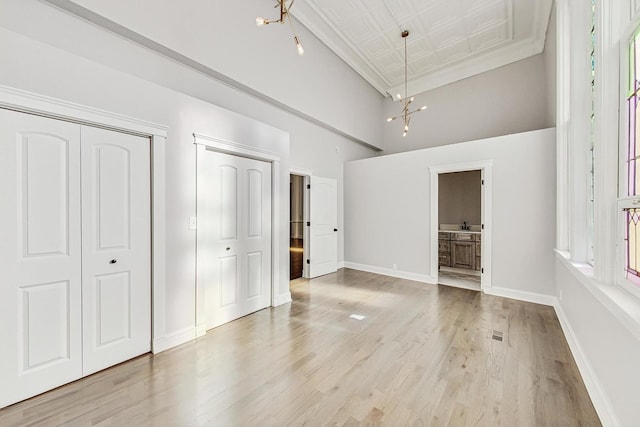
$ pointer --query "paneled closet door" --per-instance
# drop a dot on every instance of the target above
(116, 247)
(40, 255)
(234, 210)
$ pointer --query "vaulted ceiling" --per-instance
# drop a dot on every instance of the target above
(449, 40)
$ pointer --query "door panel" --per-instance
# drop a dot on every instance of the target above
(234, 241)
(228, 187)
(254, 274)
(254, 189)
(323, 215)
(111, 175)
(228, 281)
(40, 256)
(116, 242)
(113, 290)
(44, 333)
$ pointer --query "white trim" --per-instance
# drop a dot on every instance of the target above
(174, 339)
(313, 18)
(485, 166)
(202, 142)
(282, 299)
(158, 239)
(521, 295)
(451, 73)
(618, 301)
(598, 397)
(235, 148)
(392, 273)
(32, 103)
(340, 264)
(563, 115)
(300, 171)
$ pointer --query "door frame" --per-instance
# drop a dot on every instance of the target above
(40, 105)
(306, 174)
(485, 168)
(202, 142)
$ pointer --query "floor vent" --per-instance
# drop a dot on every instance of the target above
(496, 335)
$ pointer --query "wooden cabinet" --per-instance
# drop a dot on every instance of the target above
(444, 250)
(463, 254)
(459, 250)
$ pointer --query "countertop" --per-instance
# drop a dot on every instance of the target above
(460, 231)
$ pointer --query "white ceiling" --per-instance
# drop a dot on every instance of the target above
(449, 40)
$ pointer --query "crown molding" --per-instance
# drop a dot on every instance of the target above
(317, 23)
(471, 67)
(311, 18)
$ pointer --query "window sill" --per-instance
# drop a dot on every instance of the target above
(620, 303)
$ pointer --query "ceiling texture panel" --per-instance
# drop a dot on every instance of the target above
(449, 40)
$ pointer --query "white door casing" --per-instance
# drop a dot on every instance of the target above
(234, 216)
(40, 255)
(323, 216)
(485, 166)
(116, 245)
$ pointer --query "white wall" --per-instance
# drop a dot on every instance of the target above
(459, 198)
(605, 349)
(63, 57)
(387, 208)
(223, 37)
(503, 101)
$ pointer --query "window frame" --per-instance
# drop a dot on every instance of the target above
(624, 200)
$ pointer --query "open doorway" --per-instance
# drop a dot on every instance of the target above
(296, 226)
(459, 243)
(459, 229)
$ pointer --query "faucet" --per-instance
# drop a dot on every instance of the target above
(465, 226)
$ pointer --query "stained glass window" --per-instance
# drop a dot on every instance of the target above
(632, 215)
(632, 239)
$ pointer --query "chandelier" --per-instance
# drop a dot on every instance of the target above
(405, 114)
(284, 16)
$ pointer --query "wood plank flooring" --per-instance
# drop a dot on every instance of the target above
(423, 356)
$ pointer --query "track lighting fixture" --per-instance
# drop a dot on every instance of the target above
(406, 101)
(284, 16)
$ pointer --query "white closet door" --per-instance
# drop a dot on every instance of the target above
(116, 246)
(323, 215)
(234, 209)
(40, 312)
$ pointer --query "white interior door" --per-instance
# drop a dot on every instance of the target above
(40, 311)
(323, 216)
(234, 242)
(116, 246)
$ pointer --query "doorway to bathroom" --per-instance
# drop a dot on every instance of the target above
(460, 225)
(459, 228)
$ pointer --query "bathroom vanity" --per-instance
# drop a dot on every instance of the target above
(459, 249)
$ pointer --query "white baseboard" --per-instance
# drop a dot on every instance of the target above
(340, 264)
(598, 397)
(282, 299)
(521, 295)
(393, 273)
(174, 339)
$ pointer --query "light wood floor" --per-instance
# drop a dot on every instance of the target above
(424, 355)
